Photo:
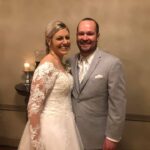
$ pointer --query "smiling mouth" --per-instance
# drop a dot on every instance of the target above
(85, 45)
(64, 47)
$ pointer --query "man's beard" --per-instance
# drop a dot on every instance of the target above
(86, 51)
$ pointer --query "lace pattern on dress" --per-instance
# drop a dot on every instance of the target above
(43, 81)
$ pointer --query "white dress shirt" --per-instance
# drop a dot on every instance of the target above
(84, 65)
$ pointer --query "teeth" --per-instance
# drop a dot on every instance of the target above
(64, 47)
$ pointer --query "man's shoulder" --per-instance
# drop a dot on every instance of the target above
(107, 55)
(72, 59)
(74, 56)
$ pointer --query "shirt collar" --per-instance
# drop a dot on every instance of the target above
(88, 58)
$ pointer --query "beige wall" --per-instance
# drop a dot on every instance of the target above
(125, 32)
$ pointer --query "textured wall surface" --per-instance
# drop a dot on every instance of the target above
(125, 32)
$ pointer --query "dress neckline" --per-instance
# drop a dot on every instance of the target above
(59, 70)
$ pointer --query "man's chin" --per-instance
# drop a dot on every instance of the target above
(85, 51)
(85, 48)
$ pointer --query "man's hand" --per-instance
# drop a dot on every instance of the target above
(109, 145)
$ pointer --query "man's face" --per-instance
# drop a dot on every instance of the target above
(87, 37)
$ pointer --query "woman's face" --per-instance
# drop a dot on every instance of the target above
(60, 42)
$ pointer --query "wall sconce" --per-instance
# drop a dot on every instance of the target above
(28, 75)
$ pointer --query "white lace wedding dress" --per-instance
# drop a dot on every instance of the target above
(51, 124)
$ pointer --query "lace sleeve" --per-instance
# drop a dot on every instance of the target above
(43, 81)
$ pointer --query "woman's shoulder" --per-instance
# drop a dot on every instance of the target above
(47, 60)
(46, 65)
(45, 68)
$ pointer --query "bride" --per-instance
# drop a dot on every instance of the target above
(51, 124)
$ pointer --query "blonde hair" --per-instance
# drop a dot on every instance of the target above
(51, 29)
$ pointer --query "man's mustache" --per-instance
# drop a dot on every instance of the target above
(82, 42)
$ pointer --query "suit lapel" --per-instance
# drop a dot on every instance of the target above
(75, 72)
(93, 65)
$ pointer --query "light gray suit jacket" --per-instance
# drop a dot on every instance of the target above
(99, 102)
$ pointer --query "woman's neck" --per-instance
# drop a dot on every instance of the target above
(56, 57)
(57, 60)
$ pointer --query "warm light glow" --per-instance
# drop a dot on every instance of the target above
(26, 66)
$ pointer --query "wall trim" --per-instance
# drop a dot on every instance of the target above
(129, 116)
(9, 142)
(6, 107)
(138, 117)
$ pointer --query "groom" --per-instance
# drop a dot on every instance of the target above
(98, 95)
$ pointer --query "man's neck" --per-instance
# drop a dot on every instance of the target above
(87, 54)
